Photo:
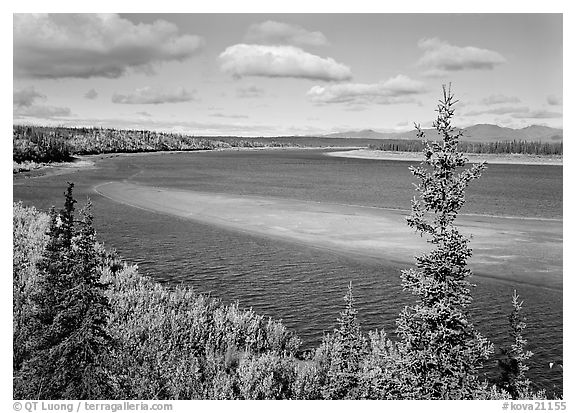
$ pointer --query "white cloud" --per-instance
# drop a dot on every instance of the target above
(251, 91)
(503, 110)
(228, 116)
(26, 97)
(278, 33)
(499, 99)
(399, 89)
(517, 112)
(151, 96)
(554, 100)
(43, 112)
(94, 45)
(441, 57)
(91, 94)
(538, 114)
(26, 106)
(280, 61)
(197, 128)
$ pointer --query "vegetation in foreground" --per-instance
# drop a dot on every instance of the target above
(88, 326)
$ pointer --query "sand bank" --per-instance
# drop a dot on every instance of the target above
(45, 169)
(526, 250)
(473, 157)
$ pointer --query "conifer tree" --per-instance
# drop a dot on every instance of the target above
(513, 368)
(348, 352)
(72, 310)
(440, 352)
(56, 264)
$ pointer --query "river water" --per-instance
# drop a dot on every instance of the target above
(302, 285)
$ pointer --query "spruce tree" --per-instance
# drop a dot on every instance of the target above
(71, 310)
(440, 351)
(348, 351)
(513, 368)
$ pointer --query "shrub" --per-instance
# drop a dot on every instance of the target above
(513, 368)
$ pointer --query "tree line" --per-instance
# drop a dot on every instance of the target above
(59, 144)
(507, 147)
(88, 326)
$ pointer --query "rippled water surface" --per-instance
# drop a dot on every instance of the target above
(302, 285)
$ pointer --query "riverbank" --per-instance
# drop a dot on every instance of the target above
(33, 169)
(490, 158)
(513, 249)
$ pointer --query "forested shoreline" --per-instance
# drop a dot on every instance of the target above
(523, 147)
(47, 144)
(60, 144)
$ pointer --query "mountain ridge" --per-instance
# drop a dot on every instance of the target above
(476, 133)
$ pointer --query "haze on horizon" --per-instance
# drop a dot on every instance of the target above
(285, 74)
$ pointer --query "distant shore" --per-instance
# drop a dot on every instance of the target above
(33, 169)
(491, 158)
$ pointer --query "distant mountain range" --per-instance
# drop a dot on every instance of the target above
(475, 133)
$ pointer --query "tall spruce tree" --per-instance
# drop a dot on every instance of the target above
(513, 368)
(72, 312)
(440, 351)
(348, 351)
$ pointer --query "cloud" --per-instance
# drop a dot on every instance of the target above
(228, 116)
(538, 114)
(151, 96)
(441, 57)
(197, 128)
(504, 110)
(26, 97)
(554, 100)
(249, 92)
(278, 33)
(499, 99)
(280, 61)
(94, 45)
(26, 106)
(517, 112)
(91, 94)
(43, 111)
(399, 89)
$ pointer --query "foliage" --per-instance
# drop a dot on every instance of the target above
(29, 238)
(498, 147)
(69, 312)
(440, 350)
(346, 351)
(58, 144)
(176, 344)
(513, 368)
(266, 376)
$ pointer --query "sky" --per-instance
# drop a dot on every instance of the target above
(285, 74)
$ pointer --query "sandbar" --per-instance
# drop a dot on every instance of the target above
(490, 158)
(505, 248)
